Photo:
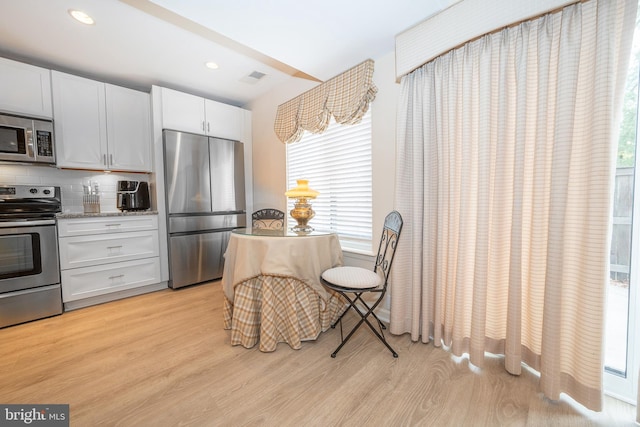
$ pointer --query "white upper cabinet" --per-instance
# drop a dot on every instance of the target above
(128, 129)
(190, 113)
(25, 89)
(223, 120)
(80, 122)
(100, 126)
(184, 112)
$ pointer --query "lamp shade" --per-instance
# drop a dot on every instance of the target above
(302, 190)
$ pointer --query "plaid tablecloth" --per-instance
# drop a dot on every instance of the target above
(273, 291)
(270, 309)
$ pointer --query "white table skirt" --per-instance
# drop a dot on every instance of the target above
(302, 257)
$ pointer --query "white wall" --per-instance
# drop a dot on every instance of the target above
(268, 155)
(269, 159)
(384, 141)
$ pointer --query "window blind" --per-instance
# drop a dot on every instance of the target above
(337, 163)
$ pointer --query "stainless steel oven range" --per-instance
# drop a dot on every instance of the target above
(29, 266)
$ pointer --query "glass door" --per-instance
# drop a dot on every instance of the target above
(622, 349)
(17, 256)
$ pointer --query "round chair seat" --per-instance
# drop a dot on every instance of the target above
(352, 277)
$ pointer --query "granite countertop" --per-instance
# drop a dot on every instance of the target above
(66, 215)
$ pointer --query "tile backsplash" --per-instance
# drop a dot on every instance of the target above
(70, 182)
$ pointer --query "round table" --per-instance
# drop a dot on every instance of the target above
(272, 288)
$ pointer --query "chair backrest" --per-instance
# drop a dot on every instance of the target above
(388, 244)
(271, 219)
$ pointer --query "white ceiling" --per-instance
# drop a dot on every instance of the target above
(139, 43)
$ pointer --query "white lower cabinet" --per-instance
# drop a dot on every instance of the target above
(88, 282)
(85, 251)
(106, 225)
(107, 256)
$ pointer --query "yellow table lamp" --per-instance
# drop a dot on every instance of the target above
(302, 211)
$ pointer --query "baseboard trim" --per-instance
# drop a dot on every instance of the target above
(384, 315)
(100, 299)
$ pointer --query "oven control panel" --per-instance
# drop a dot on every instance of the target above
(29, 202)
(28, 192)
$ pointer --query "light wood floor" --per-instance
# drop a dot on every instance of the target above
(163, 359)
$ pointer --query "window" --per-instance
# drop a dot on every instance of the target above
(337, 164)
(622, 348)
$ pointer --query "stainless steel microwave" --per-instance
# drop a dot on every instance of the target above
(28, 140)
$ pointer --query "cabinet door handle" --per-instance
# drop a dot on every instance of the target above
(114, 247)
(112, 225)
(30, 147)
(208, 127)
(110, 159)
(116, 277)
(104, 159)
(203, 126)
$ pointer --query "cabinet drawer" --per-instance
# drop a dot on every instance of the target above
(106, 225)
(83, 251)
(86, 282)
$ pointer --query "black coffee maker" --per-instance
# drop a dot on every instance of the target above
(133, 196)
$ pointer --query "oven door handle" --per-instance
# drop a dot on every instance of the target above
(18, 223)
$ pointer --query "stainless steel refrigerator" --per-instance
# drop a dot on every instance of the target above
(205, 199)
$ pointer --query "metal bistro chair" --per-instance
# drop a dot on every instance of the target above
(270, 219)
(353, 282)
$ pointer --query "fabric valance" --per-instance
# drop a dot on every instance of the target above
(345, 96)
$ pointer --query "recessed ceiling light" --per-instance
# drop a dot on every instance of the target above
(80, 16)
(211, 65)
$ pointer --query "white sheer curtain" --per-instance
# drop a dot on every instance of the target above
(505, 169)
